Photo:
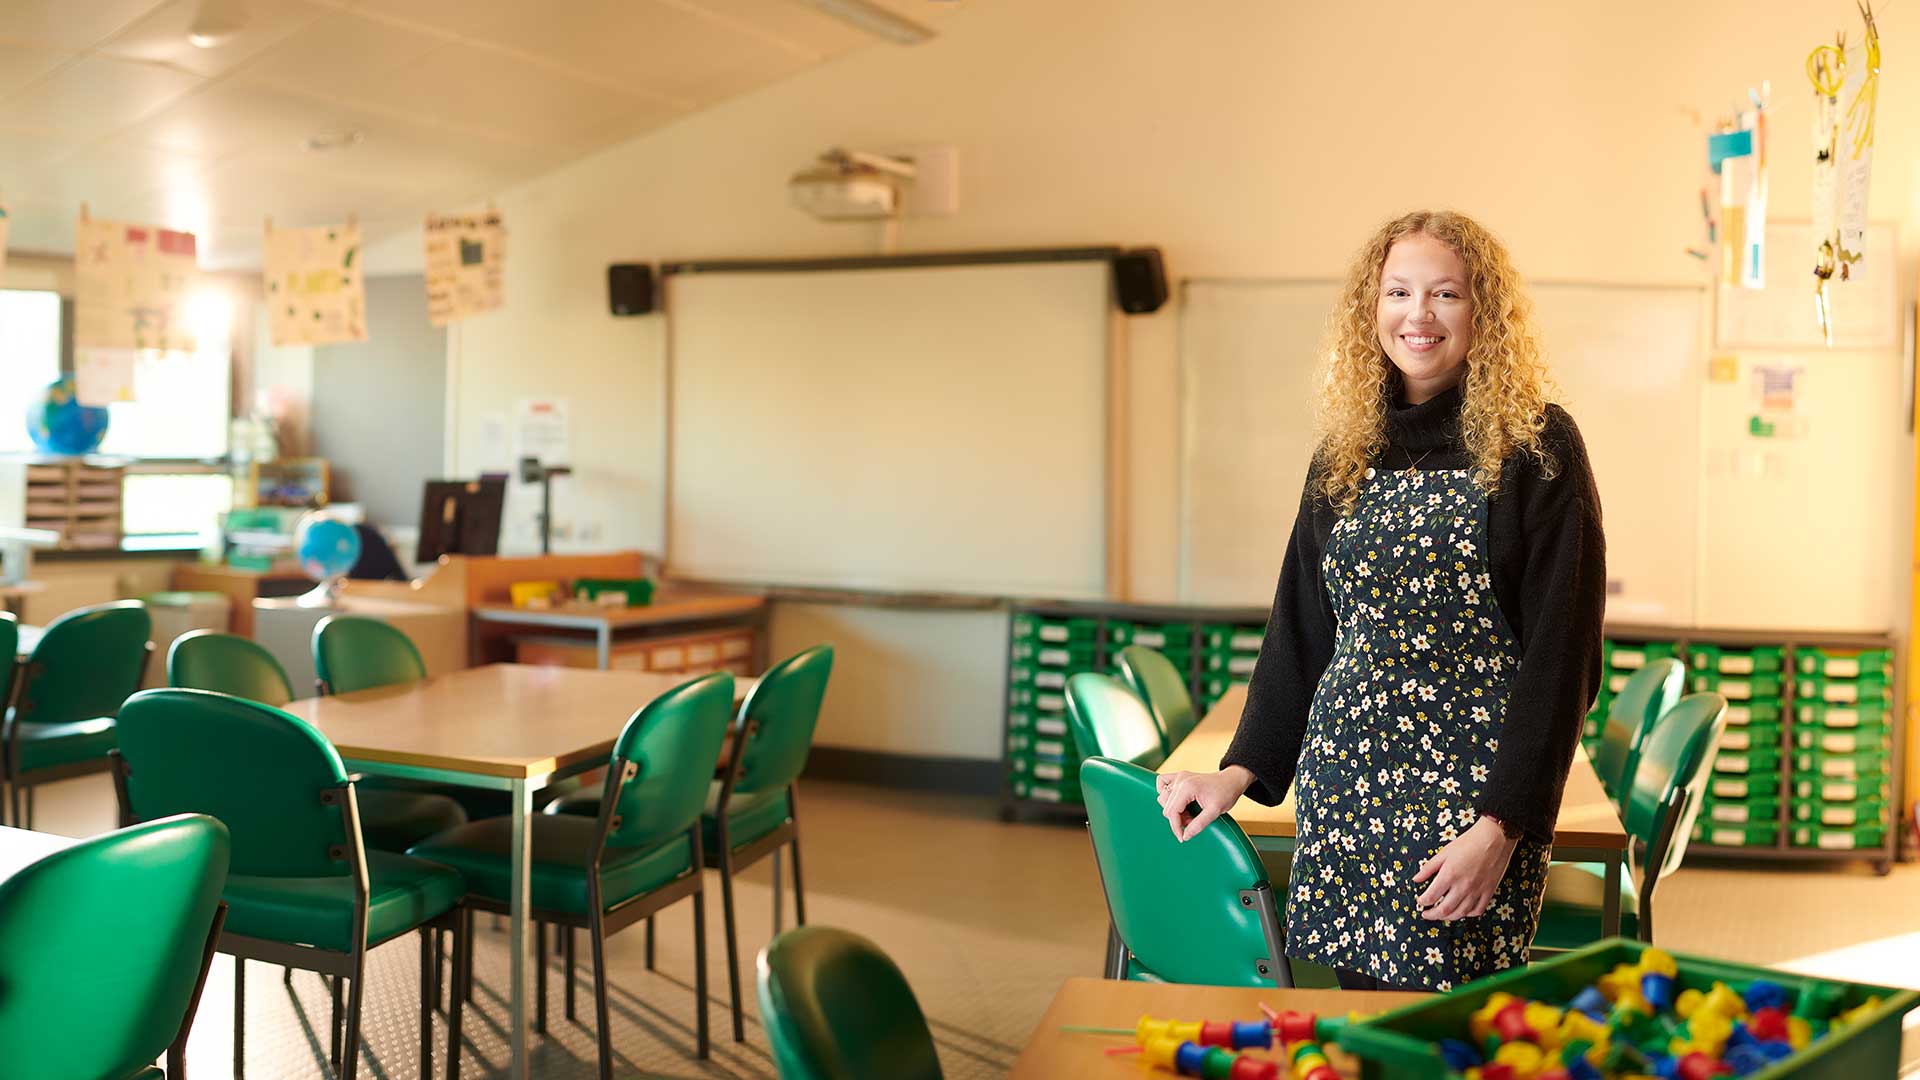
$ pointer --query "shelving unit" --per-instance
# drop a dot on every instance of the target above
(80, 498)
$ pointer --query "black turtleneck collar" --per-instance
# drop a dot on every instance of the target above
(1430, 425)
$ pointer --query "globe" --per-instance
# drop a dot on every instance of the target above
(326, 546)
(59, 424)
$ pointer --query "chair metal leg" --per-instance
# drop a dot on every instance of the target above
(333, 987)
(700, 968)
(539, 978)
(597, 935)
(426, 1002)
(799, 897)
(569, 945)
(439, 951)
(350, 1056)
(29, 808)
(456, 958)
(286, 976)
(776, 892)
(466, 978)
(649, 943)
(733, 949)
(239, 1018)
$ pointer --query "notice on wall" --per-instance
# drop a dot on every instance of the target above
(315, 292)
(131, 285)
(542, 430)
(1777, 394)
(104, 376)
(465, 265)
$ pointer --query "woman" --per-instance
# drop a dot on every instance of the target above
(1435, 639)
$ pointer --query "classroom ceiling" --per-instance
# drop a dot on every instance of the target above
(441, 101)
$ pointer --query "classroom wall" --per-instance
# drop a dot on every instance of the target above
(379, 404)
(1243, 138)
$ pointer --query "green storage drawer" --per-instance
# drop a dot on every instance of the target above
(1858, 838)
(1843, 815)
(1045, 770)
(1734, 788)
(1839, 789)
(1225, 637)
(1020, 741)
(1025, 673)
(1752, 737)
(1748, 713)
(1749, 763)
(1040, 791)
(1758, 687)
(1634, 655)
(1859, 763)
(1845, 663)
(1074, 656)
(1752, 834)
(1237, 665)
(1748, 812)
(1842, 717)
(1166, 637)
(1030, 627)
(1714, 659)
(1404, 1044)
(1843, 741)
(1866, 690)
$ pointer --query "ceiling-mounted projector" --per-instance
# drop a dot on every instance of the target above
(851, 185)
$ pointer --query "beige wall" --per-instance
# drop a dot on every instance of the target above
(1244, 138)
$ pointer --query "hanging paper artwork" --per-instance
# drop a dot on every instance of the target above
(1842, 157)
(465, 265)
(1737, 156)
(315, 292)
(131, 285)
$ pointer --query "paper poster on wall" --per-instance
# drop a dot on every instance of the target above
(131, 285)
(1776, 402)
(315, 292)
(465, 265)
(104, 376)
(542, 430)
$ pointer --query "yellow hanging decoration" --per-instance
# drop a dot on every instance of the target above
(1841, 170)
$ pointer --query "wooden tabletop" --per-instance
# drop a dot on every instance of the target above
(1587, 816)
(668, 608)
(1052, 1054)
(508, 720)
(20, 848)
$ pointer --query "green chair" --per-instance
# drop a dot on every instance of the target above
(1195, 912)
(303, 889)
(390, 819)
(60, 720)
(92, 985)
(1648, 695)
(836, 1008)
(640, 854)
(1151, 676)
(1109, 721)
(1676, 761)
(354, 652)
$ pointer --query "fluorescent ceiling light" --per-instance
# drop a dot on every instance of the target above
(874, 19)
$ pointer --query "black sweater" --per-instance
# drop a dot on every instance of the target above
(1548, 561)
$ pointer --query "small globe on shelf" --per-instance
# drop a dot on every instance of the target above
(58, 424)
(326, 546)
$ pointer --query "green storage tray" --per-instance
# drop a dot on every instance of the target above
(1752, 737)
(1065, 794)
(1844, 740)
(1859, 838)
(1226, 637)
(1404, 1044)
(1166, 637)
(1045, 654)
(1840, 815)
(1724, 661)
(1043, 770)
(1845, 663)
(635, 592)
(1634, 655)
(1750, 763)
(1020, 741)
(1842, 717)
(1735, 788)
(1030, 627)
(1758, 687)
(1748, 713)
(1028, 673)
(1859, 763)
(1839, 789)
(1866, 690)
(1753, 834)
(1234, 665)
(1748, 812)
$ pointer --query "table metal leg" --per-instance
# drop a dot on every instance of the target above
(518, 901)
(603, 639)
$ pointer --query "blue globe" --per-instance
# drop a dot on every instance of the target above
(59, 424)
(326, 547)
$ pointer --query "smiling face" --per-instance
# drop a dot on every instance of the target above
(1425, 314)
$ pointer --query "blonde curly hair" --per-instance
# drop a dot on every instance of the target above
(1506, 388)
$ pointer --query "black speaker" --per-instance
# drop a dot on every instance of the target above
(630, 288)
(1140, 279)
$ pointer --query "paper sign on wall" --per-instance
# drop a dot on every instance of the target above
(131, 285)
(103, 376)
(315, 292)
(542, 430)
(465, 265)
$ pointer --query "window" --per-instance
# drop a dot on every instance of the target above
(171, 503)
(182, 401)
(29, 359)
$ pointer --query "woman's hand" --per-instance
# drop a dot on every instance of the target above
(1465, 873)
(1214, 792)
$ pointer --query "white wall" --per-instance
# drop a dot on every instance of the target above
(1243, 138)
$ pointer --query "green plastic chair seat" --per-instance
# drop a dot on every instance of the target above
(750, 816)
(561, 845)
(402, 893)
(837, 1008)
(1570, 917)
(397, 820)
(43, 746)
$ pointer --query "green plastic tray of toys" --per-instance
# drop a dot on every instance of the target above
(1404, 1044)
(638, 592)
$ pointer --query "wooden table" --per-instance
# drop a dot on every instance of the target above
(604, 622)
(20, 848)
(1589, 828)
(503, 727)
(1052, 1054)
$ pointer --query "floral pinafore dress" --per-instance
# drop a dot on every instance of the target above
(1400, 737)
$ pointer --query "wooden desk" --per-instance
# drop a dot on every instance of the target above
(503, 727)
(20, 848)
(1052, 1054)
(1589, 828)
(672, 607)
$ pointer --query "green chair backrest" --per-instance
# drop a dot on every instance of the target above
(1649, 693)
(837, 1008)
(1163, 687)
(779, 716)
(259, 770)
(1107, 720)
(86, 664)
(1177, 906)
(227, 664)
(9, 648)
(101, 946)
(673, 742)
(1676, 755)
(354, 652)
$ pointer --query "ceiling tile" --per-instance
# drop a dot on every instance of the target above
(802, 28)
(25, 158)
(229, 118)
(332, 57)
(69, 24)
(161, 37)
(463, 18)
(94, 95)
(20, 65)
